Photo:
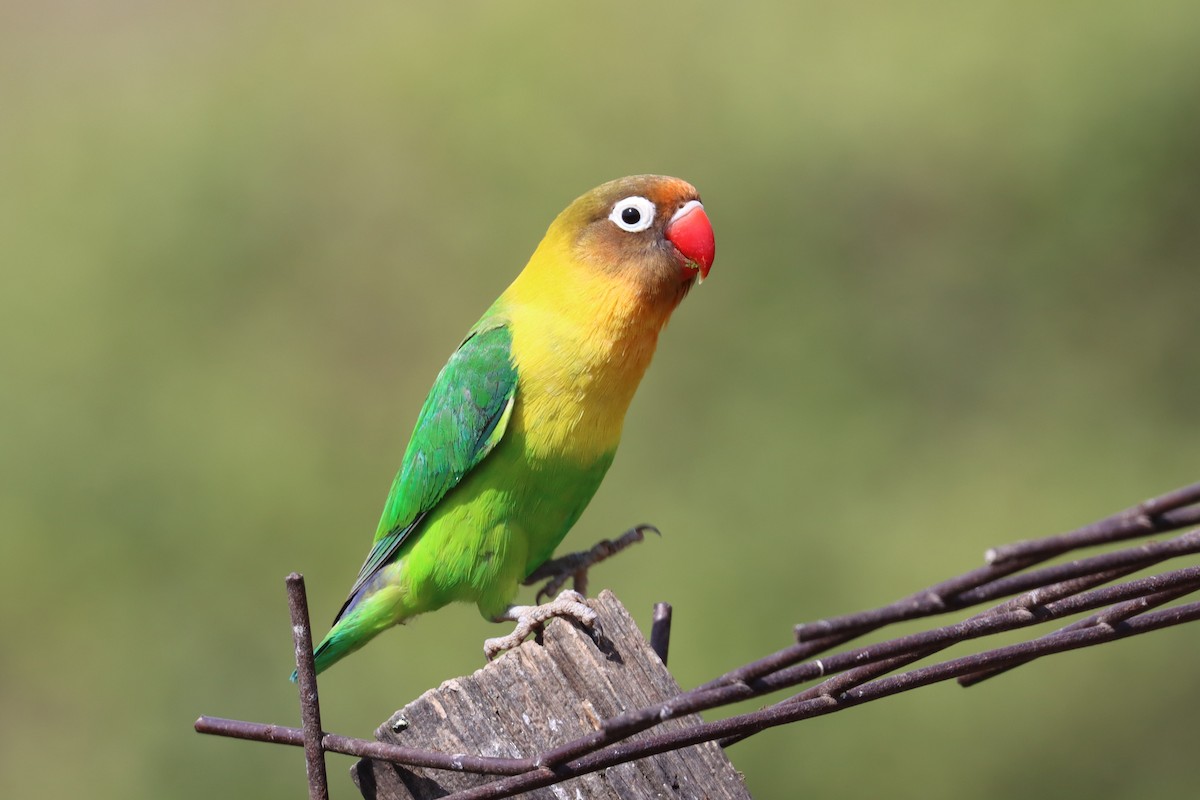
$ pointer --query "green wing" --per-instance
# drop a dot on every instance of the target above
(463, 419)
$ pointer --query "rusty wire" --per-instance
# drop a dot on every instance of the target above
(848, 677)
(306, 679)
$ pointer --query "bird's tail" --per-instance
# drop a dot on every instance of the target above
(360, 620)
(333, 648)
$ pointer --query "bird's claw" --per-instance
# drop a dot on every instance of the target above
(557, 571)
(530, 618)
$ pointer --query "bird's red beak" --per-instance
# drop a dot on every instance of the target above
(692, 234)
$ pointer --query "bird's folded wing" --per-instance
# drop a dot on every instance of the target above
(463, 419)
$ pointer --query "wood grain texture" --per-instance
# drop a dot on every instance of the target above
(541, 695)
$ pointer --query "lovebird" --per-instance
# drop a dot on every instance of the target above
(523, 421)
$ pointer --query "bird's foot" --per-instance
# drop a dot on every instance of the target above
(530, 618)
(557, 571)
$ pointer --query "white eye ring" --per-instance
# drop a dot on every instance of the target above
(633, 214)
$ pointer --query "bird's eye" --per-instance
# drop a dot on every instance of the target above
(633, 214)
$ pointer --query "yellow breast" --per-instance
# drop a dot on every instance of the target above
(581, 341)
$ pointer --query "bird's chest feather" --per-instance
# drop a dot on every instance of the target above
(575, 383)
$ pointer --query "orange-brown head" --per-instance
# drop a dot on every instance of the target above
(650, 229)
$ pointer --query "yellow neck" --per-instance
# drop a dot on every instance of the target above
(581, 339)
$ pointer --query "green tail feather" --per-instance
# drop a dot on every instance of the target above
(346, 636)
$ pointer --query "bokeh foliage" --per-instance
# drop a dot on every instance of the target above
(954, 304)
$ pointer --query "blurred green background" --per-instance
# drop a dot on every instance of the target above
(954, 304)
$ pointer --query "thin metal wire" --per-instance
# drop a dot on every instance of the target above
(306, 675)
(364, 748)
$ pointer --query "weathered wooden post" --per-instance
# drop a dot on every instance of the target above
(539, 696)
